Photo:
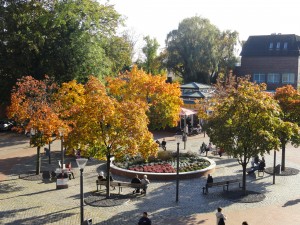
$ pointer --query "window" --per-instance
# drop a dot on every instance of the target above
(278, 46)
(285, 45)
(259, 77)
(271, 45)
(288, 78)
(273, 78)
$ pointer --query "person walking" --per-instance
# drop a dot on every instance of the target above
(221, 218)
(163, 144)
(144, 220)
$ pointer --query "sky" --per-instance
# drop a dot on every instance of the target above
(157, 18)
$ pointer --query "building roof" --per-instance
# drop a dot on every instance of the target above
(194, 85)
(272, 45)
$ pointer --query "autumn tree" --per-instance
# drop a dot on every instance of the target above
(108, 127)
(246, 122)
(32, 110)
(289, 101)
(198, 49)
(162, 98)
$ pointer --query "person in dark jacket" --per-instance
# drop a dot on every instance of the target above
(144, 220)
(136, 180)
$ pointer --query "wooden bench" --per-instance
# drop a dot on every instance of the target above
(224, 184)
(118, 184)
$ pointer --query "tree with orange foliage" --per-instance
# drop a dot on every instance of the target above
(162, 98)
(110, 127)
(31, 108)
(289, 101)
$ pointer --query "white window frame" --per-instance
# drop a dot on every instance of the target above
(271, 45)
(285, 44)
(278, 45)
(288, 78)
(273, 78)
(261, 77)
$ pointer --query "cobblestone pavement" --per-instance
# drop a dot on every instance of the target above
(39, 202)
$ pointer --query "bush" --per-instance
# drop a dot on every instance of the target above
(164, 155)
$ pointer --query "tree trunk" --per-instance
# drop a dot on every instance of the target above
(283, 144)
(38, 160)
(244, 165)
(108, 175)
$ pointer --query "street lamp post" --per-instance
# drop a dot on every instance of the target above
(81, 164)
(61, 134)
(178, 138)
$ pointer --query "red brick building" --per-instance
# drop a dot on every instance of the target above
(272, 59)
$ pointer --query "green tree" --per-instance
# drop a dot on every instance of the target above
(150, 51)
(65, 39)
(289, 101)
(245, 122)
(198, 49)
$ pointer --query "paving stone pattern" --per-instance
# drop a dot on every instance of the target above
(39, 202)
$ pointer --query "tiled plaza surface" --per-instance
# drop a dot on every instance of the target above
(39, 202)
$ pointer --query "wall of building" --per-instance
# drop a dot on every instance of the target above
(250, 65)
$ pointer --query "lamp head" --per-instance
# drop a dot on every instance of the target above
(81, 162)
(178, 138)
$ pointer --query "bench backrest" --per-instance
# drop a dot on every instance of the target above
(121, 184)
(220, 183)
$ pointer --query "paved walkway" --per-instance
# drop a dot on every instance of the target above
(39, 202)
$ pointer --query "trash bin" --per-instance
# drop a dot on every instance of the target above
(62, 180)
(278, 169)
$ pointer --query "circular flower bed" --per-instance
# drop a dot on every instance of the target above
(166, 162)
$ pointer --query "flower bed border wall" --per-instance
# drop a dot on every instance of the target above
(166, 176)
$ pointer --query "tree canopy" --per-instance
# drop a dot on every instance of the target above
(163, 99)
(31, 108)
(245, 122)
(67, 40)
(198, 49)
(289, 101)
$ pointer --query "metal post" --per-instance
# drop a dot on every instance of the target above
(184, 133)
(274, 167)
(81, 197)
(177, 173)
(62, 152)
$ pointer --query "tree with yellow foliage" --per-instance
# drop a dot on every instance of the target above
(163, 99)
(110, 127)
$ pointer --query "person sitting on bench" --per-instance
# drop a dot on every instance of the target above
(209, 179)
(136, 180)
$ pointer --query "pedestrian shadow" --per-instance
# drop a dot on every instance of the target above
(291, 202)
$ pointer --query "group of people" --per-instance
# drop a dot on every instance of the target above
(136, 180)
(163, 144)
(205, 148)
(257, 164)
(145, 181)
(221, 218)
